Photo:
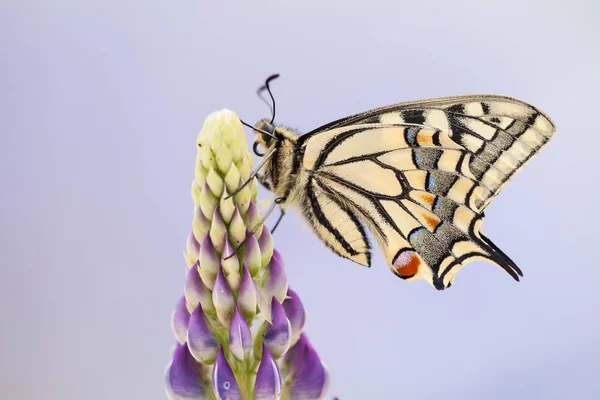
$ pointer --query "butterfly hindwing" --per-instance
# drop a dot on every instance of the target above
(335, 225)
(397, 200)
(420, 175)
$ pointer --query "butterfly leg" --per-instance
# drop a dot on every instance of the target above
(277, 201)
(267, 185)
(278, 220)
(272, 206)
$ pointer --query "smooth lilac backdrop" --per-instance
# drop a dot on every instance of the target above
(100, 105)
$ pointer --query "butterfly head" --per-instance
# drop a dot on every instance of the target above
(266, 137)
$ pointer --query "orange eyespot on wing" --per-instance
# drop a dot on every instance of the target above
(407, 264)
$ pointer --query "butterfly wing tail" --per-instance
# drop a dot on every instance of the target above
(500, 258)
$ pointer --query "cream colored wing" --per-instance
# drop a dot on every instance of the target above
(336, 224)
(420, 175)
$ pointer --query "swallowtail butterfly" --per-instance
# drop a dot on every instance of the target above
(418, 175)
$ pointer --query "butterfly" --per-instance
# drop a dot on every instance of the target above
(418, 175)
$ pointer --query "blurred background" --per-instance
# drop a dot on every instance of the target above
(100, 105)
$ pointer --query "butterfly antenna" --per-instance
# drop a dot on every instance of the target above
(259, 93)
(258, 130)
(268, 89)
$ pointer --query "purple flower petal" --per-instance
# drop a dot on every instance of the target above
(277, 284)
(240, 337)
(291, 357)
(279, 333)
(268, 378)
(253, 218)
(237, 229)
(265, 242)
(180, 320)
(209, 262)
(229, 260)
(183, 377)
(192, 248)
(309, 376)
(225, 386)
(311, 383)
(218, 231)
(222, 299)
(252, 257)
(208, 202)
(201, 224)
(294, 310)
(277, 255)
(196, 292)
(248, 295)
(201, 342)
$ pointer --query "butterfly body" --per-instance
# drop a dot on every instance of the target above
(417, 175)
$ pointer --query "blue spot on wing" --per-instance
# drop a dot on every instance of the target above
(411, 136)
(414, 234)
(436, 203)
(430, 185)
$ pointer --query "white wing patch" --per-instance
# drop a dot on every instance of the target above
(419, 176)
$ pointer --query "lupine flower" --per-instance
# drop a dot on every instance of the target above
(294, 310)
(278, 335)
(268, 378)
(240, 337)
(248, 295)
(201, 341)
(308, 377)
(224, 384)
(182, 376)
(236, 280)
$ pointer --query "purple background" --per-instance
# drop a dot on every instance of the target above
(100, 107)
